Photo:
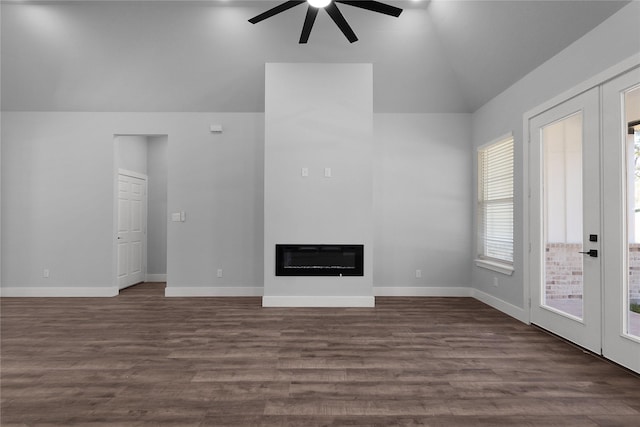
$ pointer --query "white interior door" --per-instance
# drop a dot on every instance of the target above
(132, 228)
(565, 262)
(621, 214)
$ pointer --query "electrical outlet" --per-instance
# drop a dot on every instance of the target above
(45, 273)
(219, 274)
(418, 274)
(495, 281)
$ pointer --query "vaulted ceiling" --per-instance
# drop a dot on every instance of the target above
(439, 56)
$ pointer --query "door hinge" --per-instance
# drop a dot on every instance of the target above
(529, 302)
(529, 247)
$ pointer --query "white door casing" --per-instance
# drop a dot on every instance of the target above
(132, 228)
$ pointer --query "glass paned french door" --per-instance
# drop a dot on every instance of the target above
(584, 219)
(621, 219)
(565, 263)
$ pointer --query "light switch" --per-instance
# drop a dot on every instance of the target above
(179, 216)
(305, 172)
(327, 172)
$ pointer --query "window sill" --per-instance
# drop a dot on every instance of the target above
(499, 267)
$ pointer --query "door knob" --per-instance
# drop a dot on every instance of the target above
(591, 252)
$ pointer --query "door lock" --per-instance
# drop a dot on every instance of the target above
(591, 252)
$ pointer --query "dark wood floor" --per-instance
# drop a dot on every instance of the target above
(141, 359)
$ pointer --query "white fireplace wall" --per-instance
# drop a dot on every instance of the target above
(318, 116)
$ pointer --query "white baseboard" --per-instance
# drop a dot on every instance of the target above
(57, 291)
(318, 301)
(458, 291)
(156, 278)
(276, 301)
(422, 291)
(207, 291)
(507, 308)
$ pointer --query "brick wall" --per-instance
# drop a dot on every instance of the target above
(564, 271)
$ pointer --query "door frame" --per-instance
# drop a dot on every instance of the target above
(595, 81)
(145, 178)
(114, 197)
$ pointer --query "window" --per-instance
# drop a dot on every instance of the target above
(495, 205)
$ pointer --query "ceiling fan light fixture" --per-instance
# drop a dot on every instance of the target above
(331, 7)
(319, 3)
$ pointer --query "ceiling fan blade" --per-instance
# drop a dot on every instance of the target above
(312, 12)
(374, 6)
(337, 17)
(276, 10)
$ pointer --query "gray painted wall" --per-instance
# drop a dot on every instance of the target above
(422, 199)
(58, 190)
(613, 41)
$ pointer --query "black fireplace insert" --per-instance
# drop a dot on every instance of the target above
(319, 260)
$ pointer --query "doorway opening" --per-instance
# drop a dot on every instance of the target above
(140, 209)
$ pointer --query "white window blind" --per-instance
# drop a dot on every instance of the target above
(495, 201)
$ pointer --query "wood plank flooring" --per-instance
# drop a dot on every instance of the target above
(140, 359)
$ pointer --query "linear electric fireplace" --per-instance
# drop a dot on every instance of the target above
(319, 260)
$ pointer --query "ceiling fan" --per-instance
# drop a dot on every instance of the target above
(332, 9)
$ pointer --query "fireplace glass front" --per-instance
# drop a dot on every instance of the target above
(319, 260)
